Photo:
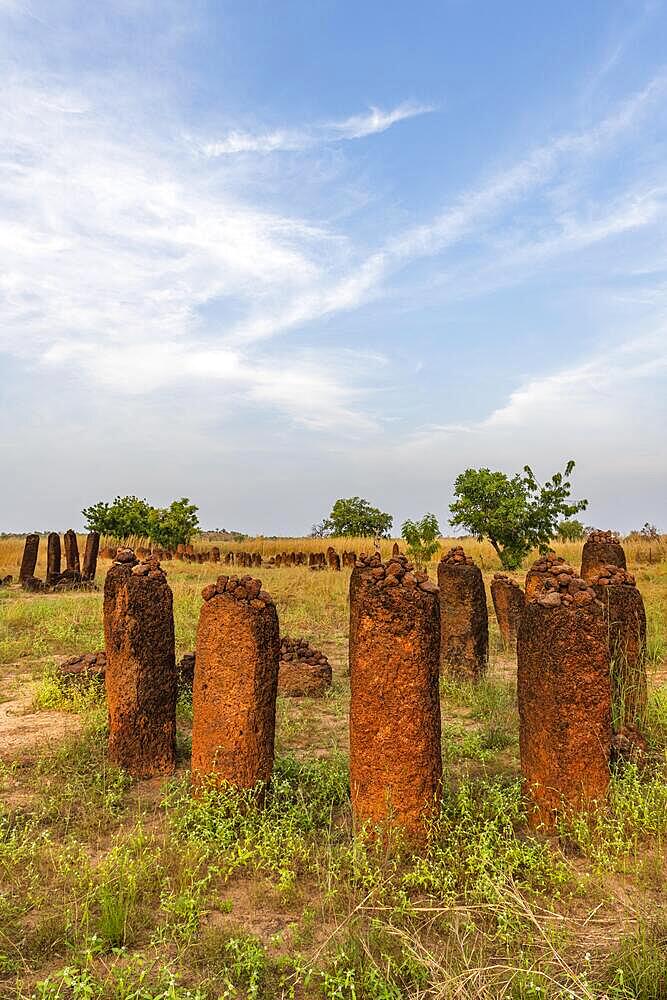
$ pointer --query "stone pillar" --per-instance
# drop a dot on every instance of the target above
(29, 559)
(53, 558)
(395, 551)
(508, 603)
(395, 756)
(564, 695)
(215, 554)
(464, 620)
(71, 552)
(141, 676)
(625, 616)
(90, 555)
(235, 684)
(601, 549)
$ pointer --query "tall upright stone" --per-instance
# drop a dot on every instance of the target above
(508, 603)
(29, 558)
(235, 685)
(53, 558)
(141, 675)
(395, 755)
(71, 547)
(90, 555)
(464, 619)
(564, 694)
(601, 549)
(625, 615)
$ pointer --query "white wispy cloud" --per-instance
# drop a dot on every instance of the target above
(371, 122)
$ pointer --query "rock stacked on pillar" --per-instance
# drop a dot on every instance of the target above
(626, 629)
(464, 620)
(303, 670)
(395, 757)
(508, 603)
(564, 695)
(141, 667)
(235, 684)
(601, 549)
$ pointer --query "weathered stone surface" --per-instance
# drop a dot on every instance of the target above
(508, 603)
(564, 695)
(235, 685)
(71, 547)
(395, 756)
(304, 671)
(141, 666)
(84, 668)
(6, 580)
(90, 555)
(33, 584)
(29, 559)
(53, 558)
(601, 549)
(626, 629)
(464, 620)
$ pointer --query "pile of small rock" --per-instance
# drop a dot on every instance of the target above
(601, 536)
(300, 650)
(559, 583)
(83, 668)
(397, 572)
(6, 580)
(457, 555)
(244, 589)
(303, 669)
(613, 575)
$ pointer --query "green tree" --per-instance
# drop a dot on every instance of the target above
(357, 518)
(516, 514)
(173, 525)
(422, 537)
(571, 531)
(125, 517)
(130, 516)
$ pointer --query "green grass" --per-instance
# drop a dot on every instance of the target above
(112, 889)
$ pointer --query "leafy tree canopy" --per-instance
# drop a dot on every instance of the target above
(356, 517)
(516, 514)
(422, 537)
(571, 531)
(130, 516)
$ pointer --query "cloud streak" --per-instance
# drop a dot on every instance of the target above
(360, 126)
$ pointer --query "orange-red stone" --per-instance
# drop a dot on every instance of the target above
(395, 756)
(508, 603)
(140, 677)
(234, 690)
(564, 695)
(464, 620)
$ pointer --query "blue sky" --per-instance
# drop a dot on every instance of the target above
(269, 254)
